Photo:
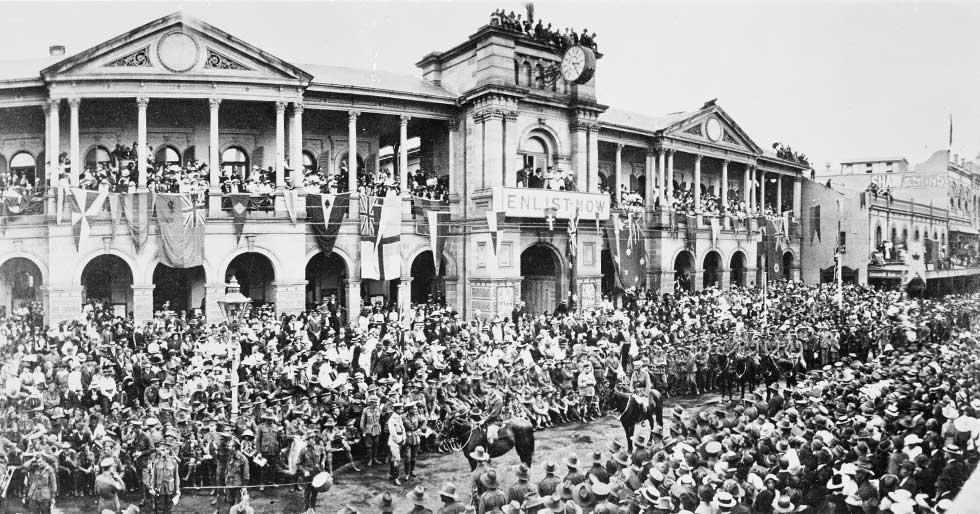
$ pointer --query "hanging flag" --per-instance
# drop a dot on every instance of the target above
(420, 209)
(239, 211)
(691, 234)
(181, 218)
(814, 223)
(326, 215)
(380, 237)
(495, 222)
(290, 198)
(571, 252)
(136, 208)
(84, 204)
(60, 205)
(438, 231)
(628, 250)
(115, 211)
(715, 230)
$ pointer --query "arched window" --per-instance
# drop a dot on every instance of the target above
(309, 161)
(537, 157)
(98, 156)
(23, 166)
(528, 74)
(539, 76)
(235, 160)
(916, 235)
(878, 235)
(905, 235)
(165, 156)
(894, 238)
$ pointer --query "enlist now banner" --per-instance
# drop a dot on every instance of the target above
(531, 203)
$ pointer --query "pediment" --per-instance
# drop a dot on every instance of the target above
(712, 125)
(177, 47)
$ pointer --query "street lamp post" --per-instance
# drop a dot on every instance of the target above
(234, 306)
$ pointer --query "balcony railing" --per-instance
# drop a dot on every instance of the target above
(256, 203)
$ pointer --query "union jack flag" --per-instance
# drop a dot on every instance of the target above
(195, 209)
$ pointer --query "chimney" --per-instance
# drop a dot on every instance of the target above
(56, 50)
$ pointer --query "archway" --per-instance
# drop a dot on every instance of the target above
(426, 284)
(541, 272)
(178, 289)
(20, 285)
(738, 269)
(255, 276)
(608, 270)
(325, 277)
(712, 270)
(684, 271)
(787, 273)
(107, 279)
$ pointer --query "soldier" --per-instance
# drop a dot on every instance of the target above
(396, 438)
(164, 479)
(108, 485)
(413, 423)
(417, 496)
(42, 485)
(495, 409)
(236, 474)
(267, 444)
(482, 459)
(223, 450)
(310, 464)
(549, 484)
(573, 476)
(450, 502)
(519, 490)
(334, 441)
(493, 498)
(142, 453)
(371, 428)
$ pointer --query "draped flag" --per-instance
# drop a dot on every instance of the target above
(571, 251)
(438, 233)
(115, 211)
(181, 218)
(239, 211)
(770, 250)
(715, 230)
(380, 237)
(692, 234)
(289, 197)
(136, 208)
(326, 214)
(628, 250)
(84, 204)
(814, 223)
(495, 222)
(420, 212)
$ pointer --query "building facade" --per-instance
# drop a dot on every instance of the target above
(484, 114)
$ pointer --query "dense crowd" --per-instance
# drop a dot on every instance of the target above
(421, 183)
(547, 178)
(541, 32)
(885, 418)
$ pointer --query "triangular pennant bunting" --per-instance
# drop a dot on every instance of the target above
(239, 211)
(325, 214)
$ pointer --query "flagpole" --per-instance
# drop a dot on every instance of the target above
(840, 256)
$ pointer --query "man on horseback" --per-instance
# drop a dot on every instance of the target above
(495, 410)
(640, 383)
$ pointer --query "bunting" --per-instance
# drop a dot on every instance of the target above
(84, 203)
(438, 233)
(691, 234)
(137, 208)
(380, 230)
(326, 214)
(571, 252)
(289, 198)
(115, 211)
(181, 218)
(715, 230)
(815, 223)
(495, 222)
(628, 249)
(239, 211)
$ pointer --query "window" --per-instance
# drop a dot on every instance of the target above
(309, 162)
(98, 156)
(234, 160)
(868, 168)
(842, 241)
(915, 235)
(23, 166)
(536, 159)
(166, 156)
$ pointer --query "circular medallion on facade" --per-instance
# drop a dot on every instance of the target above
(713, 128)
(178, 51)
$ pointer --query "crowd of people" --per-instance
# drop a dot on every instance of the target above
(561, 40)
(545, 178)
(421, 183)
(878, 411)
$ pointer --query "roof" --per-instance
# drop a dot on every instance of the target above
(373, 79)
(25, 69)
(642, 122)
(876, 159)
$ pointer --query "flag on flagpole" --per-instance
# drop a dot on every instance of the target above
(571, 252)
(380, 230)
(239, 211)
(326, 214)
(84, 204)
(628, 250)
(136, 208)
(181, 218)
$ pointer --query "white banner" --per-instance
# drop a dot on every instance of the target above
(531, 203)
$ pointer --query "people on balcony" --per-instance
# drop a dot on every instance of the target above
(541, 32)
(421, 183)
(546, 178)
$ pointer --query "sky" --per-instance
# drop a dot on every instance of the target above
(835, 80)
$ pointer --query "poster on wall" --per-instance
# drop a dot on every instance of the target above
(505, 301)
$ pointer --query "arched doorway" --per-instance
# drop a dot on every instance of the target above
(684, 271)
(325, 277)
(20, 285)
(787, 273)
(426, 284)
(107, 279)
(712, 270)
(608, 270)
(178, 289)
(541, 283)
(255, 276)
(738, 269)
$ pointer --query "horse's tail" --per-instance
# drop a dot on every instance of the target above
(658, 406)
(524, 443)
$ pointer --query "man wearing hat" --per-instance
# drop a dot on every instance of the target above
(42, 485)
(164, 479)
(493, 498)
(267, 443)
(450, 502)
(519, 490)
(417, 496)
(108, 485)
(549, 484)
(236, 473)
(396, 438)
(495, 410)
(574, 476)
(371, 427)
(142, 453)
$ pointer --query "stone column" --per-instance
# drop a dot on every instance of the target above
(724, 186)
(619, 174)
(296, 148)
(670, 174)
(747, 188)
(290, 296)
(403, 154)
(280, 142)
(74, 154)
(352, 159)
(453, 125)
(593, 157)
(697, 183)
(142, 302)
(797, 197)
(779, 194)
(753, 197)
(580, 155)
(650, 177)
(353, 300)
(52, 156)
(662, 177)
(214, 148)
(761, 174)
(212, 293)
(141, 149)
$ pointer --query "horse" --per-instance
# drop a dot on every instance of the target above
(769, 370)
(633, 412)
(791, 369)
(516, 433)
(744, 372)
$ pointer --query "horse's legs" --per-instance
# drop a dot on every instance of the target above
(524, 445)
(628, 428)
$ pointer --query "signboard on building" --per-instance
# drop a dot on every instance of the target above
(531, 203)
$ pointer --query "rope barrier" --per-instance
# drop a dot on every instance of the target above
(257, 486)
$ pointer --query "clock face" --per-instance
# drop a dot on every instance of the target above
(578, 64)
(713, 128)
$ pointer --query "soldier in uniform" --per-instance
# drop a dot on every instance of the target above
(482, 459)
(396, 438)
(142, 453)
(334, 441)
(236, 473)
(42, 485)
(493, 498)
(417, 496)
(519, 490)
(108, 486)
(223, 450)
(495, 409)
(371, 428)
(413, 423)
(309, 465)
(549, 484)
(450, 502)
(164, 479)
(267, 444)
